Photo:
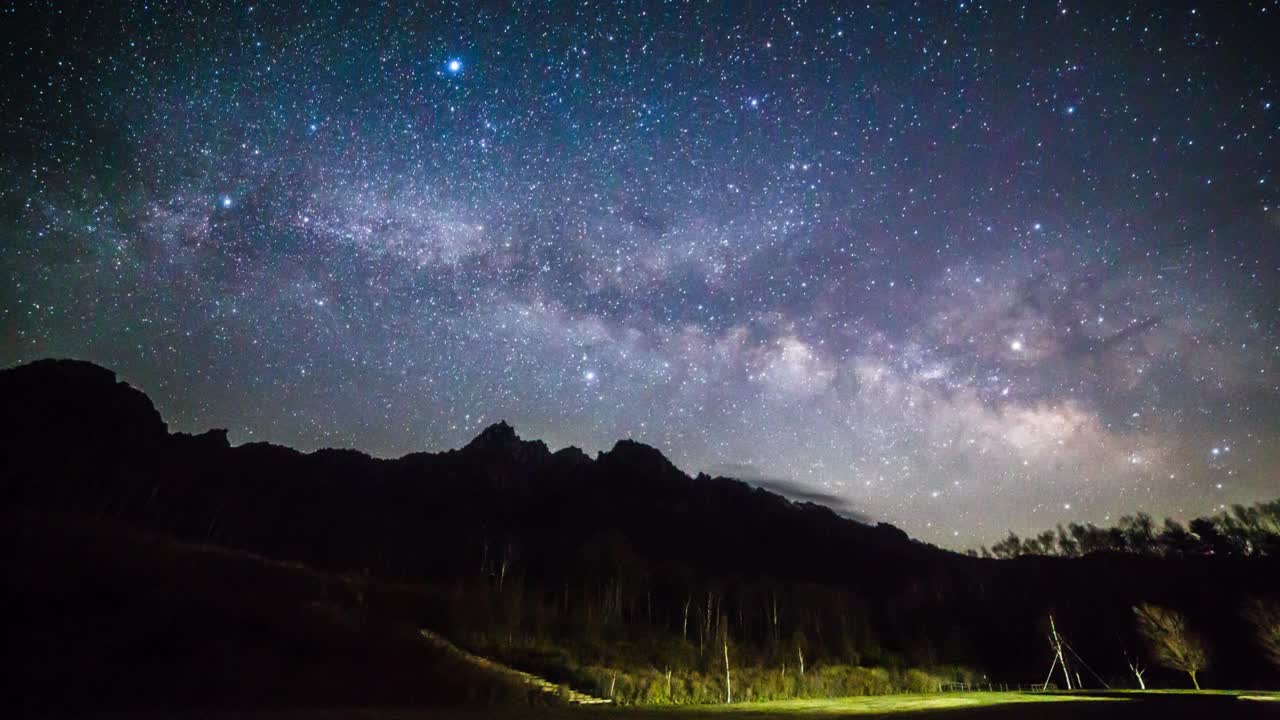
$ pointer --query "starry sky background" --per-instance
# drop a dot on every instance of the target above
(964, 267)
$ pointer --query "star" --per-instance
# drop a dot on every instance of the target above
(226, 201)
(454, 66)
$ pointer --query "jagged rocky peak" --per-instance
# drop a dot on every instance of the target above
(499, 433)
(213, 439)
(572, 456)
(74, 397)
(502, 438)
(636, 455)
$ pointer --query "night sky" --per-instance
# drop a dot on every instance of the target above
(963, 267)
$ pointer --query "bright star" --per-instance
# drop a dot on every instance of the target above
(226, 201)
(1016, 346)
(455, 66)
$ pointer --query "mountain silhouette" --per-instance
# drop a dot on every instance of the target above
(281, 501)
(625, 538)
(75, 400)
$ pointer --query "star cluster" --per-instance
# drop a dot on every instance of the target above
(965, 267)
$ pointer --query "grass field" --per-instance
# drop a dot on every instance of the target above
(874, 705)
(1164, 705)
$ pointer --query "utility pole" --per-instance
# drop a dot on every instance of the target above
(1057, 649)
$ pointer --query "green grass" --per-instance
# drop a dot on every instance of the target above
(870, 705)
(1049, 706)
(1118, 705)
(1268, 694)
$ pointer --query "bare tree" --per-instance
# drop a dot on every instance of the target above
(1265, 617)
(1173, 644)
(1138, 670)
(798, 639)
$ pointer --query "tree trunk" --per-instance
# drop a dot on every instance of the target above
(707, 629)
(1194, 681)
(728, 683)
(800, 652)
(502, 573)
(777, 633)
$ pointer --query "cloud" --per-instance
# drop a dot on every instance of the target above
(791, 490)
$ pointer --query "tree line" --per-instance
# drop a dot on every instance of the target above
(1242, 531)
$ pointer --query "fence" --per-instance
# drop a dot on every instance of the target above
(994, 687)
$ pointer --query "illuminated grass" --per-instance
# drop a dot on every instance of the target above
(1107, 705)
(1243, 694)
(871, 705)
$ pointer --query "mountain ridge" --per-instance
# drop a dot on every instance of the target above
(622, 545)
(128, 422)
(129, 406)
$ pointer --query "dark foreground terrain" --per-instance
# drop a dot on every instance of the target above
(149, 571)
(98, 615)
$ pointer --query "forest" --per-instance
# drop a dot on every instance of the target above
(1242, 531)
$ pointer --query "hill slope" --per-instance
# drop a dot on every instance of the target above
(100, 616)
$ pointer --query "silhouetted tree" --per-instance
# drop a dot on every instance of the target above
(1175, 541)
(1139, 533)
(1265, 616)
(1067, 545)
(1010, 547)
(1172, 642)
(1048, 542)
(1213, 540)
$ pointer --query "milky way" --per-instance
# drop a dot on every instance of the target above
(964, 267)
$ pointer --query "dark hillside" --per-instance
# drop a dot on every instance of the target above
(622, 559)
(100, 616)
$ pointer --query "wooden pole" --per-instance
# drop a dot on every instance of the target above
(1057, 647)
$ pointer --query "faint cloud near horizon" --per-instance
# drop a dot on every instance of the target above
(791, 490)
